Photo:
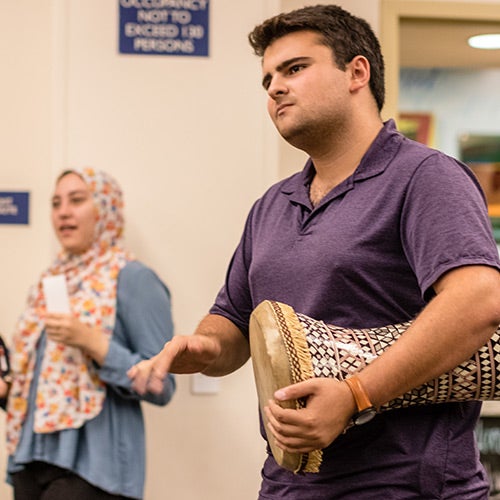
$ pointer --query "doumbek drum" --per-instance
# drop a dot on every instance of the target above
(289, 347)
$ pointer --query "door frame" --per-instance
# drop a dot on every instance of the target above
(391, 14)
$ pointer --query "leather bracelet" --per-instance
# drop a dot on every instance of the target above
(366, 410)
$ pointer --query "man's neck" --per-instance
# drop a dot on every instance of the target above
(335, 164)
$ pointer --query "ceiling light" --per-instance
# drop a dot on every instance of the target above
(487, 41)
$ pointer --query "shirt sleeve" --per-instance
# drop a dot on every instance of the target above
(234, 300)
(143, 325)
(445, 221)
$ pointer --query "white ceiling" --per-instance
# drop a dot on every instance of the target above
(433, 43)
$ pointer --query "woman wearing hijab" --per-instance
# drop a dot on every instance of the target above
(74, 424)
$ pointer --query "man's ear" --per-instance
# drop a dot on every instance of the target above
(360, 73)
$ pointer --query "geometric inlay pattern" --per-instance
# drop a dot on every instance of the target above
(338, 352)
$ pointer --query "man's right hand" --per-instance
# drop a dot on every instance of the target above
(183, 354)
(217, 348)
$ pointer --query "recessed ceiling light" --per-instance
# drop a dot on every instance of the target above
(489, 41)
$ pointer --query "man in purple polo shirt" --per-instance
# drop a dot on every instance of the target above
(376, 229)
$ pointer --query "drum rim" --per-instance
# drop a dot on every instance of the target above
(272, 371)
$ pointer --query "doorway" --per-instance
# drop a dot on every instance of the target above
(434, 31)
(425, 43)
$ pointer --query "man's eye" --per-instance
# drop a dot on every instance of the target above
(295, 68)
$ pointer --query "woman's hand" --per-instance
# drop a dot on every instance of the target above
(68, 330)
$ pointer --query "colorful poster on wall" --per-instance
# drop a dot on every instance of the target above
(164, 27)
(417, 126)
(482, 155)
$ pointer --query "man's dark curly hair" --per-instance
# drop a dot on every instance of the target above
(348, 36)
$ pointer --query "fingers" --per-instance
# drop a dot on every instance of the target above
(155, 381)
(162, 362)
(327, 411)
(139, 374)
(55, 323)
(54, 318)
(293, 430)
(296, 391)
(139, 381)
(182, 354)
(148, 375)
(55, 328)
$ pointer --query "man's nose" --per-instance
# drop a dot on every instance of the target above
(276, 87)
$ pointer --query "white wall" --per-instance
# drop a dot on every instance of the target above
(25, 152)
(192, 147)
(185, 138)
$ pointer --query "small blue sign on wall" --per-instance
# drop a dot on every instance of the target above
(164, 27)
(14, 207)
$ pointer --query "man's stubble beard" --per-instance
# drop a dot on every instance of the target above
(308, 135)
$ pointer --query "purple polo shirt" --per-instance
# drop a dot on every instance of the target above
(368, 256)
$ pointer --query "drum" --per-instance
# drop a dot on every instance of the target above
(289, 347)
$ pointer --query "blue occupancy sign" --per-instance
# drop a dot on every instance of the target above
(164, 27)
(14, 207)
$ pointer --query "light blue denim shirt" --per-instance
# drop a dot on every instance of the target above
(109, 450)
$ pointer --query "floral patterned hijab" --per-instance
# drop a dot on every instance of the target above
(69, 391)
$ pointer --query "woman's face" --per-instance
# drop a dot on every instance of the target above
(74, 214)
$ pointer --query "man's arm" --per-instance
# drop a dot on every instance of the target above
(455, 324)
(216, 348)
(234, 347)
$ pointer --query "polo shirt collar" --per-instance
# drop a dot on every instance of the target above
(374, 162)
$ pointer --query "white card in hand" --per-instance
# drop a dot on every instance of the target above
(56, 294)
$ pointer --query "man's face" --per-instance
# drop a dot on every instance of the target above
(308, 94)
